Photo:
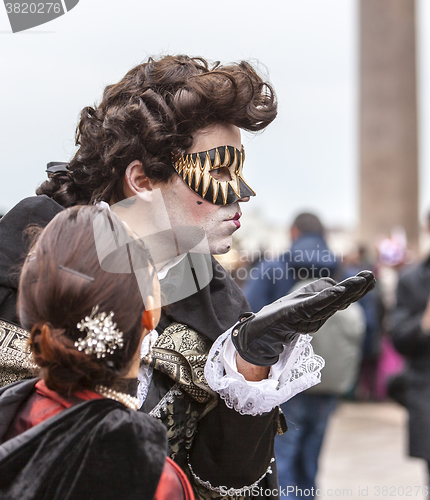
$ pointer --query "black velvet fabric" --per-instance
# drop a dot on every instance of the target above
(212, 310)
(96, 450)
(233, 449)
(36, 210)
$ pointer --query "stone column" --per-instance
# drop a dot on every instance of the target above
(388, 120)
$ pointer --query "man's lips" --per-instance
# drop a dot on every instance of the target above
(235, 219)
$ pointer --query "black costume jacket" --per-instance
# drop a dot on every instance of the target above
(95, 450)
(218, 448)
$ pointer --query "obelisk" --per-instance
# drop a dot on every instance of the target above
(388, 120)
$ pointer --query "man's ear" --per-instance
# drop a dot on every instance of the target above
(136, 182)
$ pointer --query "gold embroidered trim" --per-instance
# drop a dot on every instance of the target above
(15, 358)
(181, 353)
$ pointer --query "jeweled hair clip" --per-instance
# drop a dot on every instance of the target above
(102, 337)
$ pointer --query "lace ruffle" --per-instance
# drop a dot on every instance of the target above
(145, 372)
(300, 371)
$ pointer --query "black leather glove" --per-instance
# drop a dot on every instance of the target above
(260, 338)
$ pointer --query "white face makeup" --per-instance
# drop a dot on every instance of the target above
(186, 207)
(144, 250)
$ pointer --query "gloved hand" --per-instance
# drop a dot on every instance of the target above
(260, 338)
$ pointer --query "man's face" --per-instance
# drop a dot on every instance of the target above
(186, 208)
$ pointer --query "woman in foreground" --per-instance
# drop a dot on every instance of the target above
(74, 433)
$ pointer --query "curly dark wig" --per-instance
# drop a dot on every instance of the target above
(151, 116)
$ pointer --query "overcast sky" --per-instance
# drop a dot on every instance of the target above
(307, 159)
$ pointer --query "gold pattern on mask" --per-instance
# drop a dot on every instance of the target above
(195, 169)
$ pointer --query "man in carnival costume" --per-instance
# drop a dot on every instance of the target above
(167, 137)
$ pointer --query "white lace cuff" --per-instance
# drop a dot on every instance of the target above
(292, 374)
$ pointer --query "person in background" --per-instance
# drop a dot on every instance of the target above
(338, 342)
(410, 331)
(74, 432)
(308, 258)
(366, 386)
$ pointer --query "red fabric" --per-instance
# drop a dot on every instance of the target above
(42, 405)
(174, 484)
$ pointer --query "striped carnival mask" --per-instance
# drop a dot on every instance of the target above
(196, 170)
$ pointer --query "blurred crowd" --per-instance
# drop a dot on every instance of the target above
(373, 350)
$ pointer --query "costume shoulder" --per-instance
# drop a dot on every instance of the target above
(122, 432)
(36, 210)
(130, 450)
(98, 450)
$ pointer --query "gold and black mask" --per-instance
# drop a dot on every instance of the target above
(195, 169)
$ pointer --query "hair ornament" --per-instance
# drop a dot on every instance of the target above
(102, 335)
(76, 273)
(53, 167)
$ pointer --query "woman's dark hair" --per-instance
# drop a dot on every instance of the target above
(151, 116)
(61, 282)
